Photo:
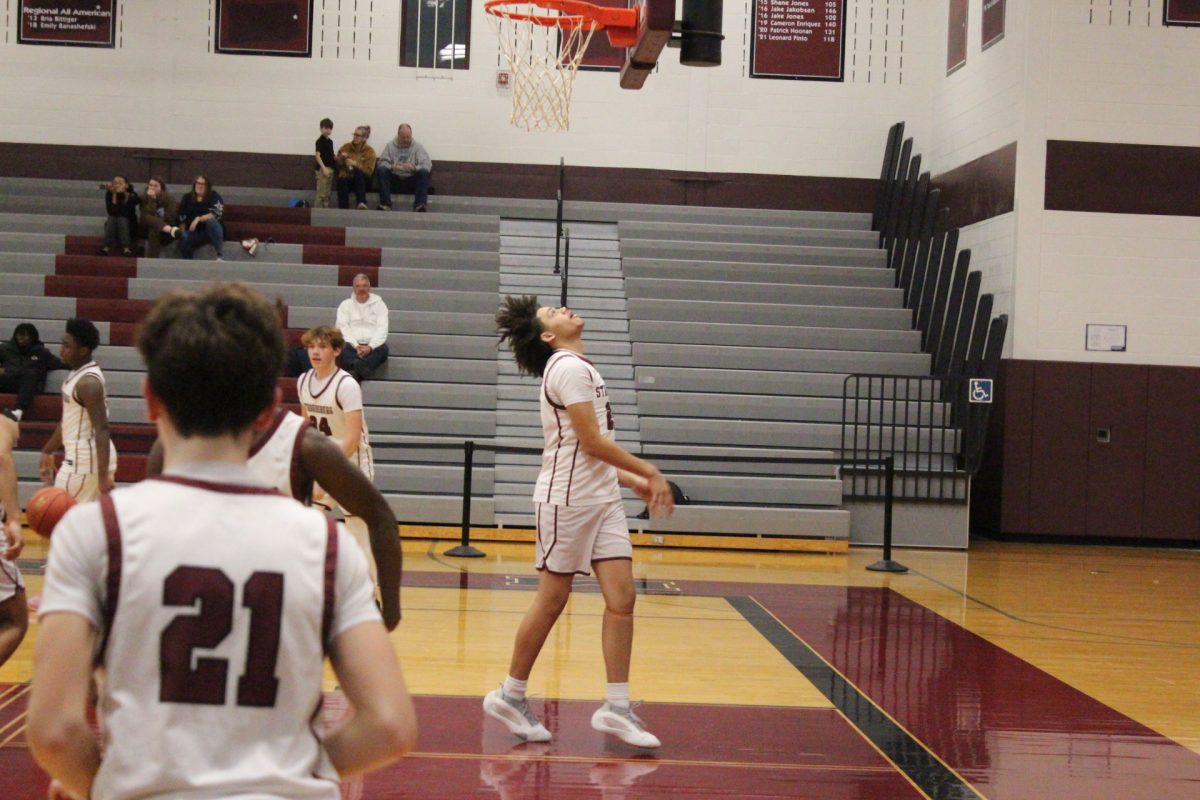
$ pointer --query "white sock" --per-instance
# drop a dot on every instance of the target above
(18, 413)
(515, 688)
(618, 695)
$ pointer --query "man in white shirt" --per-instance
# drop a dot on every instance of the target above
(176, 587)
(363, 320)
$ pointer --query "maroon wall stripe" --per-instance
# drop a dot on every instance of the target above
(1119, 178)
(461, 178)
(980, 189)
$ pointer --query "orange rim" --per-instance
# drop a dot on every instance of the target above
(573, 14)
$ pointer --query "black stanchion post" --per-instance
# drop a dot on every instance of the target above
(464, 549)
(887, 565)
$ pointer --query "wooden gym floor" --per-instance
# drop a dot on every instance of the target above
(1011, 671)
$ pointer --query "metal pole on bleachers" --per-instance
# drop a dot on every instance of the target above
(887, 564)
(558, 214)
(565, 267)
(464, 548)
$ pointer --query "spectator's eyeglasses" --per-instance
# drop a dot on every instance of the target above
(358, 136)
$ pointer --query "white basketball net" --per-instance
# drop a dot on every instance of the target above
(543, 60)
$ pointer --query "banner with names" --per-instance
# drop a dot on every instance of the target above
(65, 23)
(799, 39)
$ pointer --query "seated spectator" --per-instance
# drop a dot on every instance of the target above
(355, 166)
(363, 320)
(121, 203)
(24, 362)
(160, 216)
(200, 219)
(404, 166)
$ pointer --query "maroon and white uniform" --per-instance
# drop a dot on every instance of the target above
(580, 516)
(275, 458)
(77, 474)
(215, 599)
(326, 402)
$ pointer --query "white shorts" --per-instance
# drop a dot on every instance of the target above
(10, 580)
(571, 538)
(84, 487)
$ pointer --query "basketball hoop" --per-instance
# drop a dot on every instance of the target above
(543, 51)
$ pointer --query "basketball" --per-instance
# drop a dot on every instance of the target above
(46, 508)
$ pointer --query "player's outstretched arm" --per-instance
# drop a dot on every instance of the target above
(347, 484)
(91, 394)
(58, 730)
(384, 725)
(656, 491)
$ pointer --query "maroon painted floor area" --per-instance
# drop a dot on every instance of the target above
(709, 751)
(1009, 729)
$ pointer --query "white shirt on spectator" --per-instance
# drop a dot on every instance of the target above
(363, 323)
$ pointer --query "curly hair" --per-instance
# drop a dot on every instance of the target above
(517, 321)
(84, 332)
(212, 357)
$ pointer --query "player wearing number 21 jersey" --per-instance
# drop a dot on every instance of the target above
(210, 599)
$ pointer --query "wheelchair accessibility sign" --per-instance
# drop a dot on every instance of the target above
(980, 390)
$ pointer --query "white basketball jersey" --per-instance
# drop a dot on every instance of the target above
(79, 440)
(275, 458)
(570, 477)
(217, 602)
(325, 403)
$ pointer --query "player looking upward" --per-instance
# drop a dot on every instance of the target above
(581, 523)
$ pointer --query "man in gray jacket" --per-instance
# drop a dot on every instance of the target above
(403, 166)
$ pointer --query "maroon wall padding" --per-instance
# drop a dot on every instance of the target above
(96, 266)
(980, 189)
(277, 214)
(354, 256)
(122, 334)
(1119, 178)
(80, 286)
(462, 178)
(1000, 492)
(1058, 458)
(286, 234)
(1044, 471)
(1116, 471)
(1172, 501)
(346, 273)
(95, 308)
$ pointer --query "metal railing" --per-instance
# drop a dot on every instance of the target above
(958, 333)
(884, 464)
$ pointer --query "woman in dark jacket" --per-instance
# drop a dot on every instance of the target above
(121, 202)
(200, 218)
